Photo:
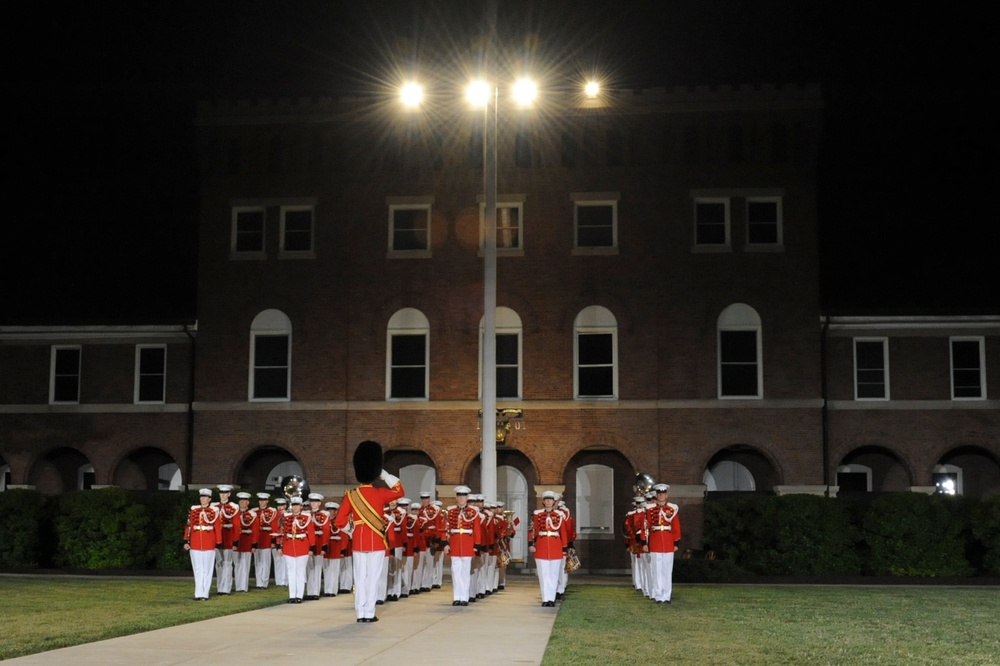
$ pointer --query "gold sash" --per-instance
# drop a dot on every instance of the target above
(367, 514)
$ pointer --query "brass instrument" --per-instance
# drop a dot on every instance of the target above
(503, 545)
(643, 483)
(572, 563)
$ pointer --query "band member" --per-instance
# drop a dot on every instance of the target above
(430, 524)
(280, 574)
(246, 542)
(347, 566)
(570, 549)
(267, 518)
(361, 513)
(506, 530)
(321, 528)
(548, 541)
(442, 529)
(334, 555)
(396, 517)
(412, 552)
(202, 536)
(464, 536)
(632, 534)
(663, 529)
(230, 535)
(297, 541)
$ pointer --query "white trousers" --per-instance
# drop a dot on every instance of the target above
(368, 568)
(438, 569)
(314, 574)
(406, 579)
(295, 567)
(262, 567)
(347, 573)
(426, 570)
(224, 571)
(331, 575)
(461, 577)
(241, 565)
(661, 566)
(203, 565)
(383, 578)
(563, 578)
(280, 571)
(548, 577)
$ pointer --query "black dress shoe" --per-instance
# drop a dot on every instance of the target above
(373, 619)
(361, 619)
(379, 602)
(436, 587)
(456, 603)
(465, 603)
(343, 591)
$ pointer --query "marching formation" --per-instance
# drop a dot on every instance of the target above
(376, 542)
(652, 529)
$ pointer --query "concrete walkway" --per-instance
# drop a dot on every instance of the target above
(509, 627)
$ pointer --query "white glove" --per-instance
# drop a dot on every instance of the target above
(389, 479)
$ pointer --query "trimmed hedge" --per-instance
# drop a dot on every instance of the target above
(895, 534)
(21, 529)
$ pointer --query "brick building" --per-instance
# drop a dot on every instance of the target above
(658, 312)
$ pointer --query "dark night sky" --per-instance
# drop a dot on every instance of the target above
(103, 224)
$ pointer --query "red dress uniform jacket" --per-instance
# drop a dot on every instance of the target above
(396, 533)
(663, 527)
(268, 527)
(338, 543)
(548, 534)
(204, 529)
(297, 535)
(366, 539)
(230, 532)
(413, 537)
(246, 523)
(321, 523)
(463, 530)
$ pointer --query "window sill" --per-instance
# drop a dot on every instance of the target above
(594, 251)
(308, 254)
(710, 249)
(408, 254)
(765, 247)
(247, 256)
(506, 252)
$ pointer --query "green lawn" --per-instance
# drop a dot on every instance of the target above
(597, 623)
(45, 613)
(778, 625)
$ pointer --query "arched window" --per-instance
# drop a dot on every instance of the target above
(595, 504)
(4, 477)
(728, 475)
(595, 350)
(739, 352)
(854, 478)
(270, 357)
(407, 370)
(508, 357)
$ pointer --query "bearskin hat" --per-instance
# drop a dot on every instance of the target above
(368, 461)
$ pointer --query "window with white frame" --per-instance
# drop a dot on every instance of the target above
(595, 348)
(595, 504)
(763, 216)
(270, 357)
(248, 231)
(711, 222)
(508, 354)
(739, 349)
(595, 220)
(510, 224)
(150, 373)
(871, 369)
(64, 375)
(297, 229)
(408, 345)
(409, 226)
(968, 369)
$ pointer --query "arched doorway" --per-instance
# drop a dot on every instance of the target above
(265, 467)
(739, 469)
(972, 471)
(886, 470)
(512, 490)
(598, 493)
(148, 468)
(62, 470)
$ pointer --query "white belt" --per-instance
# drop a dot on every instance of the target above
(265, 529)
(228, 525)
(335, 538)
(203, 528)
(549, 534)
(660, 528)
(296, 536)
(461, 531)
(246, 532)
